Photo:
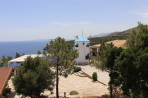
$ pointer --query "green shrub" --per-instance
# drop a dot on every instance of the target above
(73, 93)
(77, 69)
(94, 76)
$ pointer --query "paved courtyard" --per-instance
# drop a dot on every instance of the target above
(83, 85)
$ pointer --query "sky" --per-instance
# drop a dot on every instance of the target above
(22, 20)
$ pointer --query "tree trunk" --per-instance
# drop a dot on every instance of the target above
(110, 84)
(57, 81)
(111, 90)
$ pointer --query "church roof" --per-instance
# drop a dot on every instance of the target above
(81, 39)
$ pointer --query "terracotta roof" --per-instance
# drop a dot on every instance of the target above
(4, 76)
(117, 43)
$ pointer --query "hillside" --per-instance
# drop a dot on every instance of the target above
(96, 39)
(124, 33)
(113, 36)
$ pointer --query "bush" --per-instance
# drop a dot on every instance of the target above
(77, 69)
(94, 76)
(73, 93)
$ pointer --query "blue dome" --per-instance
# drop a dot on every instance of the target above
(81, 39)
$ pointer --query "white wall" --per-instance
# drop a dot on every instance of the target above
(83, 50)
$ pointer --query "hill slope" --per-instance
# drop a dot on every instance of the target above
(113, 36)
(96, 39)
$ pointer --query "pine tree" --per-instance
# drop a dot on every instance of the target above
(33, 77)
(132, 64)
(61, 57)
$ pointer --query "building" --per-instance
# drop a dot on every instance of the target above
(4, 76)
(82, 46)
(14, 63)
(116, 43)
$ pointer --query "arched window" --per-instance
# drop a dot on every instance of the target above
(87, 56)
(87, 45)
(77, 45)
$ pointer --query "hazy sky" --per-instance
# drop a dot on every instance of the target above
(46, 19)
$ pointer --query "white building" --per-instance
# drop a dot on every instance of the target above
(14, 63)
(18, 61)
(82, 46)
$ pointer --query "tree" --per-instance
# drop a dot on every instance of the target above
(106, 60)
(94, 76)
(132, 64)
(4, 61)
(39, 52)
(33, 77)
(61, 57)
(17, 55)
(111, 54)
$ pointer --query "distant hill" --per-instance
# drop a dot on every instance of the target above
(100, 35)
(122, 35)
(112, 36)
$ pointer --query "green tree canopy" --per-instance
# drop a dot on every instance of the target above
(4, 61)
(132, 64)
(61, 57)
(33, 77)
(110, 54)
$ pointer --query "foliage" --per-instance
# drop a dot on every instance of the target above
(98, 40)
(4, 93)
(127, 68)
(33, 77)
(105, 60)
(77, 69)
(61, 57)
(94, 76)
(113, 36)
(132, 64)
(39, 52)
(18, 55)
(4, 60)
(73, 93)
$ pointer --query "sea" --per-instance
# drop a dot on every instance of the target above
(22, 47)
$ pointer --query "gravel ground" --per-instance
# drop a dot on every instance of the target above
(83, 85)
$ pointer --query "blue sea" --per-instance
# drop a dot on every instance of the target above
(22, 47)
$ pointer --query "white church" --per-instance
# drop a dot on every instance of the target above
(82, 46)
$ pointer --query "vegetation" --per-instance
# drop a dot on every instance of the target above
(18, 55)
(77, 69)
(61, 58)
(39, 52)
(5, 93)
(127, 68)
(99, 40)
(4, 61)
(73, 93)
(94, 76)
(123, 35)
(132, 64)
(105, 59)
(109, 63)
(33, 77)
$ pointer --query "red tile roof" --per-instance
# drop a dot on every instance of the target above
(4, 76)
(117, 43)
